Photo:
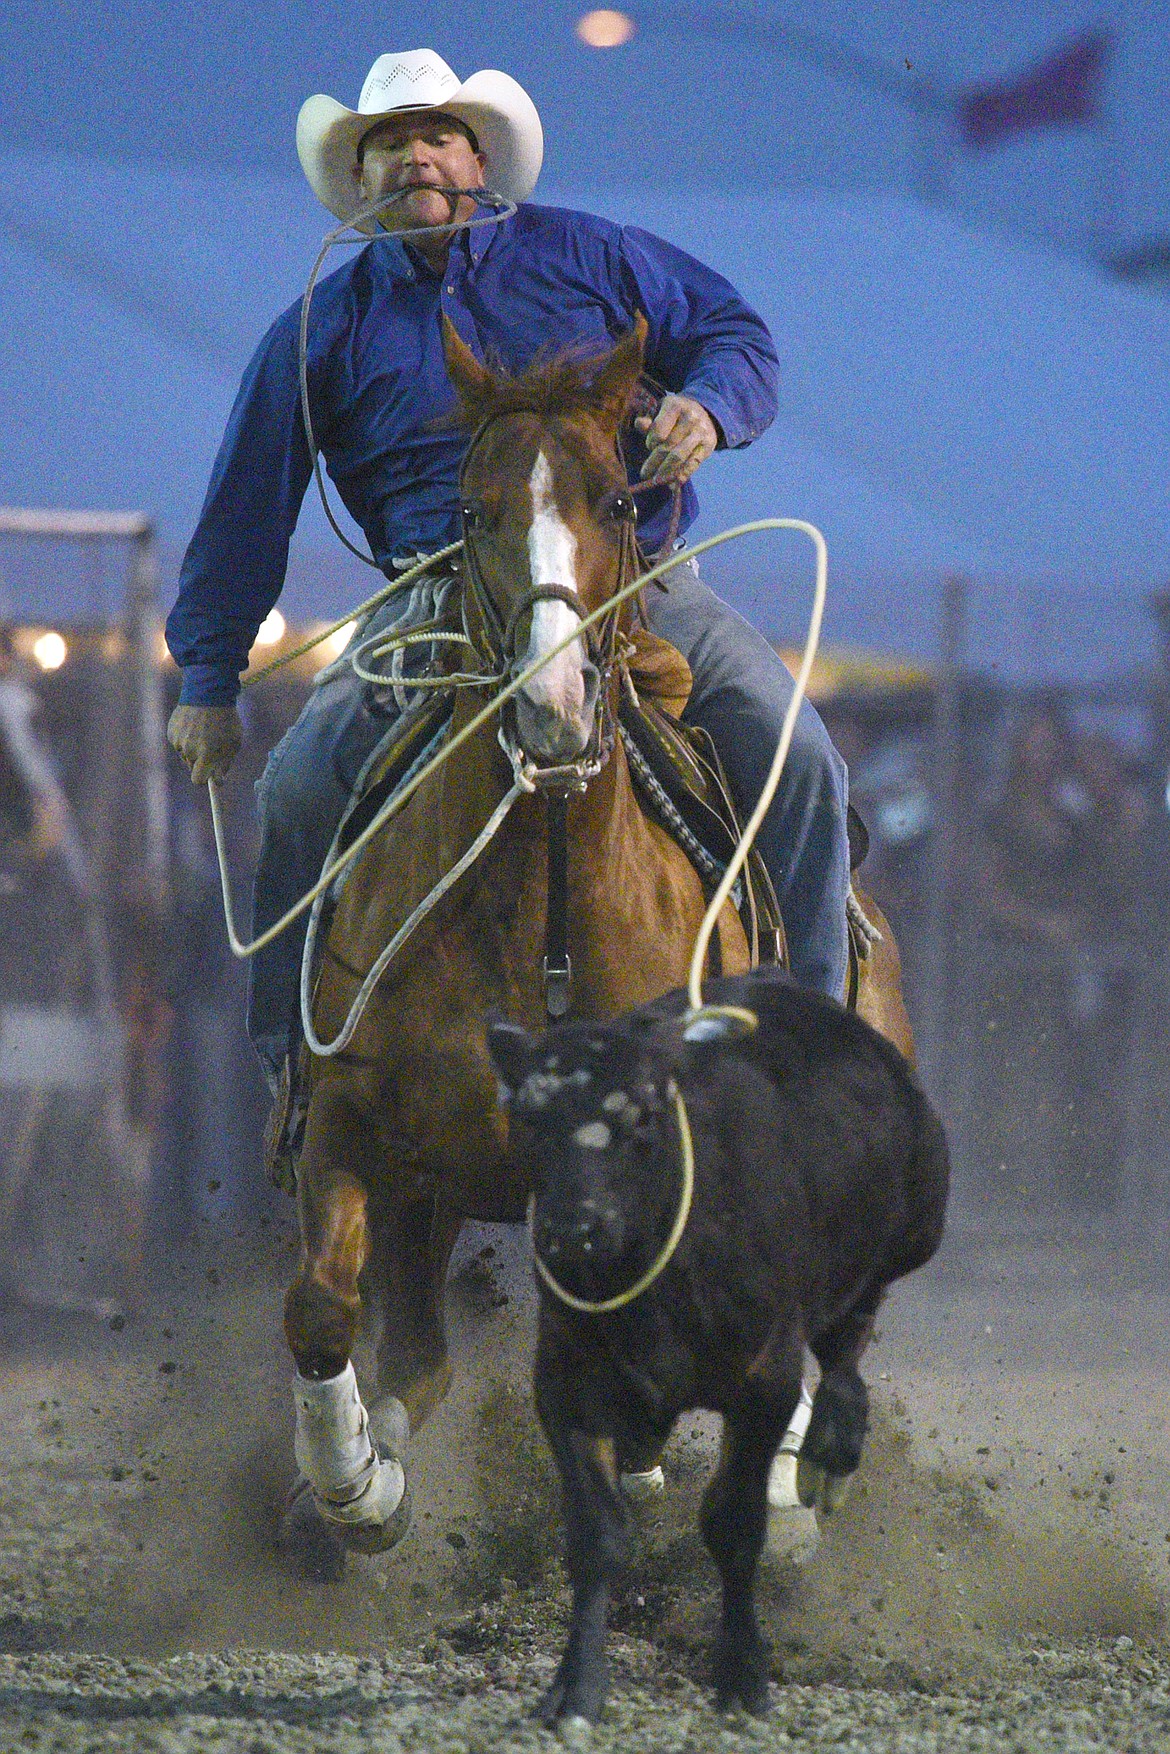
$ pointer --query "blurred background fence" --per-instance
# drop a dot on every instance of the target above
(1018, 844)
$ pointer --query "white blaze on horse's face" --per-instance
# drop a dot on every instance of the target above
(554, 712)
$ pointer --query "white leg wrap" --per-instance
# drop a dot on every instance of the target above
(336, 1454)
(797, 1426)
(782, 1494)
(649, 1484)
(792, 1532)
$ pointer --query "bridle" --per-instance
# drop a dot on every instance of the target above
(494, 635)
(497, 644)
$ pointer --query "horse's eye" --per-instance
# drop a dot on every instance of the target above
(623, 508)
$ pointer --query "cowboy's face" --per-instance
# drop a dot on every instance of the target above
(421, 153)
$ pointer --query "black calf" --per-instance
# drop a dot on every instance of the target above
(819, 1175)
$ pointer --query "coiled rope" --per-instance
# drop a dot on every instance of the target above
(336, 865)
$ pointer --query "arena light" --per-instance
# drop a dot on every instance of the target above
(605, 29)
(50, 650)
(336, 643)
(271, 629)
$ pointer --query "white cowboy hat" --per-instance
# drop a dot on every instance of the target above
(499, 113)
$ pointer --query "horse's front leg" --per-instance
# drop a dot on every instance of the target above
(360, 1492)
(412, 1246)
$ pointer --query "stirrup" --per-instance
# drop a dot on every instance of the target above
(284, 1130)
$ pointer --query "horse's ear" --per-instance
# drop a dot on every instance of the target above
(474, 383)
(511, 1050)
(612, 390)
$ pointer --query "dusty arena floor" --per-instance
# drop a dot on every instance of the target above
(997, 1579)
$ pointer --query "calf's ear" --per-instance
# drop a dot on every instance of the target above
(510, 1048)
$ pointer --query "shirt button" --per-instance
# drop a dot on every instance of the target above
(451, 291)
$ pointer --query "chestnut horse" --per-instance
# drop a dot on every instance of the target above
(405, 1137)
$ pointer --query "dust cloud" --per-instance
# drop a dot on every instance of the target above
(1014, 1496)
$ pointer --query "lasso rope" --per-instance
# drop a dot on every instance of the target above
(394, 804)
(341, 234)
(764, 803)
(700, 1017)
(357, 615)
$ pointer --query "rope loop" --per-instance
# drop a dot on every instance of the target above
(398, 800)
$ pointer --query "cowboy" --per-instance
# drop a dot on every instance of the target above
(542, 280)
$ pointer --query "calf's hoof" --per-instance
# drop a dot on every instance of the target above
(741, 1679)
(313, 1546)
(837, 1425)
(575, 1731)
(570, 1710)
(819, 1490)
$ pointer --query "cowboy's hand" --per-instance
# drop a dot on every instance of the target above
(680, 437)
(207, 737)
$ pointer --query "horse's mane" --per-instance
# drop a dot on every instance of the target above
(557, 385)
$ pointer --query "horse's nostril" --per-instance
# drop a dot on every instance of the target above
(546, 733)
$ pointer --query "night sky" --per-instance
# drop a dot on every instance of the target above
(153, 220)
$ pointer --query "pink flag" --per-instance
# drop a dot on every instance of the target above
(1060, 92)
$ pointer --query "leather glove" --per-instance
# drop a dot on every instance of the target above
(207, 737)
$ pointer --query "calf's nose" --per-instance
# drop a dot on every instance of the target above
(578, 1234)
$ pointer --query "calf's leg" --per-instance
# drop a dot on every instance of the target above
(597, 1544)
(359, 1492)
(840, 1412)
(733, 1519)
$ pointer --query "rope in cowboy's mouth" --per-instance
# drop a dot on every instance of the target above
(345, 234)
(502, 210)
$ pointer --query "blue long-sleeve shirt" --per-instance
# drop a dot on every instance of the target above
(544, 281)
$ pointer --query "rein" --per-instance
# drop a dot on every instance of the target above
(606, 1305)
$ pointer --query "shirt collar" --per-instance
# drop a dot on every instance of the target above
(404, 264)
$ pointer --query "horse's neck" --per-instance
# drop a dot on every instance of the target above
(600, 818)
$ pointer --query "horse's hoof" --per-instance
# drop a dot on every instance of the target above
(380, 1518)
(389, 1425)
(310, 1541)
(791, 1536)
(642, 1488)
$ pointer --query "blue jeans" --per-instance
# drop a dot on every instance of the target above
(740, 695)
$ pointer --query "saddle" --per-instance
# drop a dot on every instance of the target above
(680, 780)
(675, 768)
(682, 786)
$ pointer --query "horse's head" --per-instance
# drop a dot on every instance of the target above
(548, 524)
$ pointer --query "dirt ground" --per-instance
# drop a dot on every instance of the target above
(998, 1576)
